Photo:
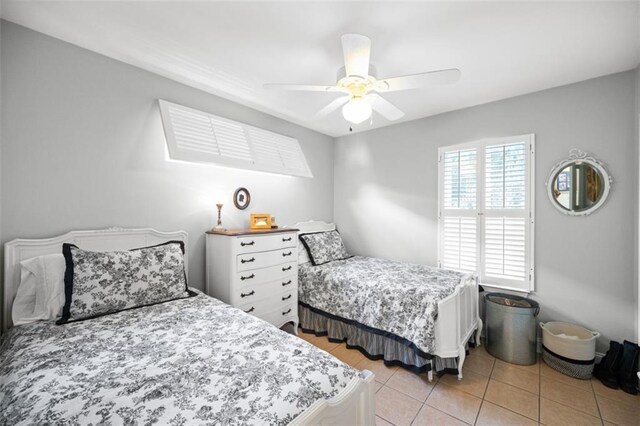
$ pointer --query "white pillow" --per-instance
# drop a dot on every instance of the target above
(24, 308)
(303, 254)
(54, 269)
(40, 295)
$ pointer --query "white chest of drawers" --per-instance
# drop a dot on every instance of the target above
(256, 271)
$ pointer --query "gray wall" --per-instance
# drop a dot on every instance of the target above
(637, 211)
(1, 132)
(84, 148)
(386, 194)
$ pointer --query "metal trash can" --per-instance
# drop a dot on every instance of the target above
(511, 327)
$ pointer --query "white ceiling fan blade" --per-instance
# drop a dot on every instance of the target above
(420, 80)
(356, 49)
(302, 87)
(384, 107)
(334, 105)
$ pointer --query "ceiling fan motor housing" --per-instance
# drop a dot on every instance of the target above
(342, 73)
(357, 85)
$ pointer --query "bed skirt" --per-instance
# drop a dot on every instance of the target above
(373, 343)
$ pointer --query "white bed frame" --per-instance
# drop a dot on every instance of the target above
(458, 314)
(354, 405)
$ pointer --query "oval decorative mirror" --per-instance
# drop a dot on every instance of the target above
(579, 185)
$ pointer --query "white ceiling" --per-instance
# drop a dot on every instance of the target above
(231, 49)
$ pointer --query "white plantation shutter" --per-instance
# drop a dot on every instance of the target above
(506, 214)
(505, 176)
(193, 132)
(277, 151)
(231, 139)
(460, 179)
(265, 147)
(459, 215)
(486, 210)
(198, 136)
(291, 154)
(505, 248)
(460, 241)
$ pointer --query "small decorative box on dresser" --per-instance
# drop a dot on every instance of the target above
(256, 271)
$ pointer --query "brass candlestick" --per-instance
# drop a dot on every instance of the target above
(219, 227)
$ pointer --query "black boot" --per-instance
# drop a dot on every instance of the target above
(628, 370)
(608, 367)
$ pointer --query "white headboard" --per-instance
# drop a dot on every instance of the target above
(111, 239)
(312, 226)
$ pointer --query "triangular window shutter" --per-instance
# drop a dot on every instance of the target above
(197, 136)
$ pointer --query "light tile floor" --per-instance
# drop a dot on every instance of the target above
(492, 392)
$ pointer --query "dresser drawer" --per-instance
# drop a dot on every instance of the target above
(282, 314)
(259, 291)
(285, 270)
(263, 259)
(254, 243)
(273, 303)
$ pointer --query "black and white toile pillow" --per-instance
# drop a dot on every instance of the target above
(99, 283)
(324, 247)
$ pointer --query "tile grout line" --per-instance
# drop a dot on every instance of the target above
(386, 420)
(575, 388)
(518, 387)
(421, 403)
(456, 390)
(508, 409)
(539, 393)
(505, 408)
(450, 415)
(597, 403)
(485, 390)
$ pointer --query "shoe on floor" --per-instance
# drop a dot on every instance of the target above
(607, 370)
(628, 369)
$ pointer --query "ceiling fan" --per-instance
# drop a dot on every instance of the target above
(357, 80)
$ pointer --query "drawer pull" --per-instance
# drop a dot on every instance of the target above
(284, 240)
(288, 268)
(250, 310)
(247, 244)
(286, 254)
(248, 277)
(287, 283)
(286, 298)
(251, 293)
(253, 259)
(286, 312)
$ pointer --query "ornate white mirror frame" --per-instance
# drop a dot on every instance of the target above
(577, 156)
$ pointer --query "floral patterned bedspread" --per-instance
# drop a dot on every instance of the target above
(396, 297)
(184, 362)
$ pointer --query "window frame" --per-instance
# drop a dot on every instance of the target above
(480, 211)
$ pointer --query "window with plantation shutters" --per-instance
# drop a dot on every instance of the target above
(197, 136)
(486, 210)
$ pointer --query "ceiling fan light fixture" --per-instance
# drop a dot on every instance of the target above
(357, 110)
